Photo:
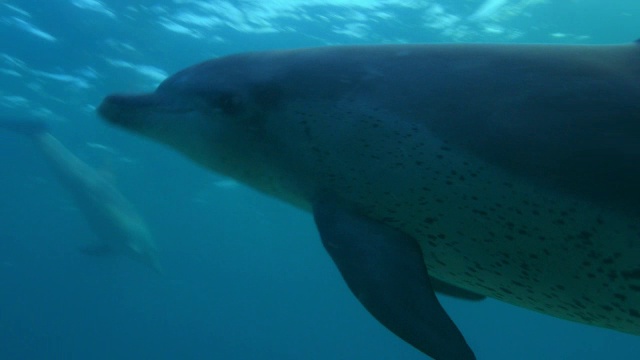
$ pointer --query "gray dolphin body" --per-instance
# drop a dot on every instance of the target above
(511, 171)
(118, 226)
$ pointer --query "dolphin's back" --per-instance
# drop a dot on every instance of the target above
(508, 105)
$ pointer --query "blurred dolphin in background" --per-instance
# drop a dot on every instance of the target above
(118, 226)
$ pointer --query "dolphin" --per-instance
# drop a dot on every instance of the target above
(509, 171)
(118, 226)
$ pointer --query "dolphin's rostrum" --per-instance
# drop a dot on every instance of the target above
(510, 171)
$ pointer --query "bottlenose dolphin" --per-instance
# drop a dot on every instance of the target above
(118, 226)
(511, 171)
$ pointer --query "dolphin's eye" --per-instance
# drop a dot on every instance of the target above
(229, 103)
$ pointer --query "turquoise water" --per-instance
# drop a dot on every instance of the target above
(245, 276)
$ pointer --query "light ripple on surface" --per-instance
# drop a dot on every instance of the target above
(94, 5)
(76, 81)
(32, 29)
(18, 10)
(151, 72)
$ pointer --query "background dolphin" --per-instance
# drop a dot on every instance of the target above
(114, 220)
(510, 171)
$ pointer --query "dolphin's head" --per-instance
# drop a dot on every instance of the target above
(210, 111)
(129, 234)
(147, 256)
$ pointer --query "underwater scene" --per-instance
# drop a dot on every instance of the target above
(218, 217)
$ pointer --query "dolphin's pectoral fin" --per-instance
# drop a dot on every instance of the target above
(451, 290)
(96, 250)
(385, 269)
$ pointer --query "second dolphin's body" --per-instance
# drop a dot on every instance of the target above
(118, 226)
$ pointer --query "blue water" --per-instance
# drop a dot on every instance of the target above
(245, 276)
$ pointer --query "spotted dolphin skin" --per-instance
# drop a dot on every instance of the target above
(509, 171)
(118, 226)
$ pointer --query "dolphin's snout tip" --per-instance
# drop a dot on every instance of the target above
(116, 108)
(109, 109)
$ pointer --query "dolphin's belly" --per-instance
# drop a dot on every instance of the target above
(500, 236)
(480, 227)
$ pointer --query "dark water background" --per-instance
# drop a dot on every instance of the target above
(246, 277)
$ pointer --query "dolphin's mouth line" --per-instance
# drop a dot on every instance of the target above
(171, 110)
(117, 108)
